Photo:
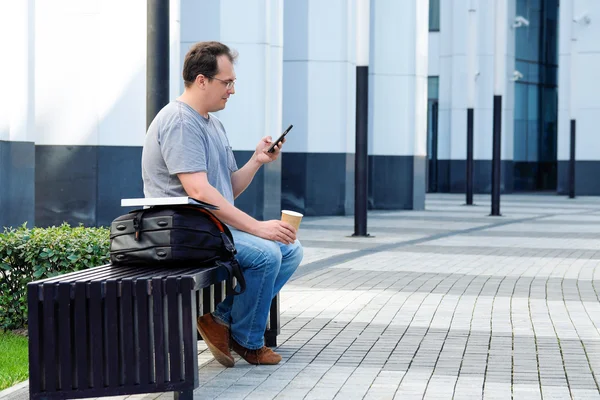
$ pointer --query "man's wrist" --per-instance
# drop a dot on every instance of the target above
(254, 161)
(253, 227)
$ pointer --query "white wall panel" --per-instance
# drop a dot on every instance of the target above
(200, 20)
(578, 97)
(121, 90)
(327, 107)
(19, 87)
(295, 104)
(483, 139)
(68, 67)
(397, 98)
(433, 68)
(393, 109)
(319, 76)
(327, 30)
(244, 21)
(90, 86)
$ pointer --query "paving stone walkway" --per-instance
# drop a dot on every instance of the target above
(439, 304)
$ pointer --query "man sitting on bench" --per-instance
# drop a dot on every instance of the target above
(187, 153)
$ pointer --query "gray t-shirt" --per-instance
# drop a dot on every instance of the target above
(181, 140)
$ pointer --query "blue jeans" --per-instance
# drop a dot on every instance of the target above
(267, 266)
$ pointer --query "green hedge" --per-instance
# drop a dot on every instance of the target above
(31, 254)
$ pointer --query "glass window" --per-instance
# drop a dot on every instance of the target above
(520, 134)
(533, 110)
(434, 15)
(535, 117)
(520, 143)
(433, 83)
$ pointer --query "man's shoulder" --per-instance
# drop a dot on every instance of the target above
(177, 113)
(175, 110)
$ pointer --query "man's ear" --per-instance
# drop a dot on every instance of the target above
(201, 81)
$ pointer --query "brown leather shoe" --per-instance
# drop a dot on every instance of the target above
(262, 356)
(216, 337)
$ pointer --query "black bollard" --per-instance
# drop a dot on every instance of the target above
(362, 152)
(572, 162)
(496, 155)
(469, 182)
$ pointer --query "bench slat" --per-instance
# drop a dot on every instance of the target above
(73, 275)
(127, 332)
(159, 331)
(64, 335)
(34, 328)
(190, 345)
(96, 337)
(112, 333)
(81, 334)
(49, 339)
(143, 329)
(173, 330)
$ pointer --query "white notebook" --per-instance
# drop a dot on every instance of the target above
(165, 201)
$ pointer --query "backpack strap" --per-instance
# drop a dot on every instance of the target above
(234, 271)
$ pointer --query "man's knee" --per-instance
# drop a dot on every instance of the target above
(266, 255)
(295, 253)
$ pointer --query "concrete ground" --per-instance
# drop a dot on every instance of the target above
(439, 304)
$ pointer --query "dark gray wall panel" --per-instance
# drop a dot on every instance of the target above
(293, 181)
(262, 198)
(325, 184)
(271, 189)
(586, 178)
(391, 184)
(316, 183)
(251, 200)
(119, 177)
(66, 185)
(452, 176)
(17, 184)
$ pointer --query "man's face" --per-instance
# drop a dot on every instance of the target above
(217, 91)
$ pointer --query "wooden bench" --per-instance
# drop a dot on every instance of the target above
(110, 331)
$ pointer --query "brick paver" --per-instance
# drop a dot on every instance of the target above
(439, 304)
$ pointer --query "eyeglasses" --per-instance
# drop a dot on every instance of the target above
(228, 84)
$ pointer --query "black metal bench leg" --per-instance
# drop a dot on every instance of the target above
(274, 326)
(270, 338)
(184, 395)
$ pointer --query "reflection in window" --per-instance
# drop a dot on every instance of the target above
(535, 117)
(434, 15)
(433, 87)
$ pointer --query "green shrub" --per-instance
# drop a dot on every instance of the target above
(38, 253)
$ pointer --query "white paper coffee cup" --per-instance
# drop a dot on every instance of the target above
(291, 217)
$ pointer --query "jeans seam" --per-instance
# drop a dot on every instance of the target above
(262, 285)
(217, 316)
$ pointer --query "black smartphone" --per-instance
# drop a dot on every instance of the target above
(272, 148)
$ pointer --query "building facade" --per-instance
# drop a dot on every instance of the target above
(550, 59)
(72, 104)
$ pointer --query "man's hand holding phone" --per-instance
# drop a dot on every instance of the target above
(268, 150)
(277, 144)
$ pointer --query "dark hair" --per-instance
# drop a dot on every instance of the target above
(202, 59)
